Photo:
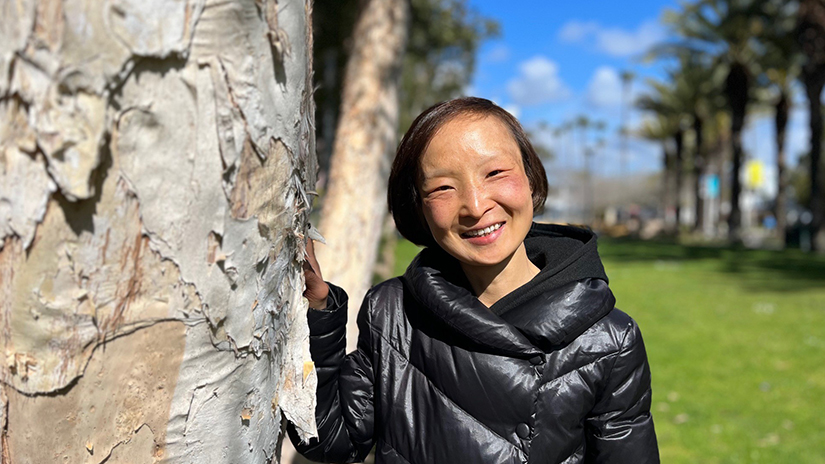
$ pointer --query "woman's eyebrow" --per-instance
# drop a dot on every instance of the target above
(435, 174)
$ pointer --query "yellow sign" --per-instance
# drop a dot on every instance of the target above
(754, 174)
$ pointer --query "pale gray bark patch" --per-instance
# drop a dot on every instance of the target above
(16, 23)
(25, 185)
(155, 28)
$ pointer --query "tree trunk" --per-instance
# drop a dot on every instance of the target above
(781, 120)
(155, 159)
(698, 170)
(355, 203)
(810, 34)
(667, 182)
(813, 88)
(736, 92)
(678, 140)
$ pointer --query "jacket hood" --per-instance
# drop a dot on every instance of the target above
(566, 297)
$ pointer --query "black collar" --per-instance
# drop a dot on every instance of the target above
(569, 294)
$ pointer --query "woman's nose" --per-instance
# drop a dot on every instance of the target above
(476, 201)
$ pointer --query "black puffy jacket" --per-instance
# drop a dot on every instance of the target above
(552, 373)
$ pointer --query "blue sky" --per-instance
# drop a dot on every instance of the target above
(555, 60)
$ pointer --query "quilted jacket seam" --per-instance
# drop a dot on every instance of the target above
(577, 369)
(622, 347)
(581, 324)
(435, 387)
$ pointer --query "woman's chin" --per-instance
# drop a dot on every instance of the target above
(487, 259)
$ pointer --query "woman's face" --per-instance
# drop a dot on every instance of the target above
(475, 194)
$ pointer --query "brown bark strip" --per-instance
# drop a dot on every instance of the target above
(107, 406)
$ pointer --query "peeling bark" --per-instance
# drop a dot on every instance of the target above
(155, 159)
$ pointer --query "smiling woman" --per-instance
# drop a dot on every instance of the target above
(500, 343)
(477, 201)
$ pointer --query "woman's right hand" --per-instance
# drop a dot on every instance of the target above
(316, 289)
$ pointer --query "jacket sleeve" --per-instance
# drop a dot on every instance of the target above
(345, 410)
(620, 427)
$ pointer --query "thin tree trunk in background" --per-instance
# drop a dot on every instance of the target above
(355, 203)
(721, 158)
(698, 170)
(810, 35)
(667, 182)
(816, 204)
(678, 140)
(781, 120)
(736, 91)
(154, 166)
(735, 218)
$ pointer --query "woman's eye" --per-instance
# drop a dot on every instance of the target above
(440, 188)
(494, 173)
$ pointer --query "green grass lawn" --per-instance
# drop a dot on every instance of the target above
(736, 342)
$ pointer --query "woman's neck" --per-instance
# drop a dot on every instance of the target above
(492, 283)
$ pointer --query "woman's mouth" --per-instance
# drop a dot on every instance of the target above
(485, 232)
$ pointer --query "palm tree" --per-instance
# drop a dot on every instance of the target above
(781, 64)
(725, 31)
(627, 80)
(666, 104)
(695, 83)
(661, 127)
(810, 34)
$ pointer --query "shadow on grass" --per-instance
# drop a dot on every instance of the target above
(787, 270)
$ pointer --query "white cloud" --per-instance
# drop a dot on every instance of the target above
(614, 41)
(538, 82)
(605, 88)
(618, 42)
(498, 54)
(576, 31)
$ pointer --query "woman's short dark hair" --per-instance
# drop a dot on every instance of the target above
(403, 198)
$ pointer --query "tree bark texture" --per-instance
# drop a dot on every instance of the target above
(355, 203)
(155, 159)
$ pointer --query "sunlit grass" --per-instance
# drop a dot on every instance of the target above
(736, 342)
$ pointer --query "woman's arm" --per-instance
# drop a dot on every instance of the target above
(344, 412)
(620, 429)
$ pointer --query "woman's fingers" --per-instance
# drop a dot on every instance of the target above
(311, 260)
(316, 289)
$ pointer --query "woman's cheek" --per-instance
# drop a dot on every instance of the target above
(515, 190)
(436, 212)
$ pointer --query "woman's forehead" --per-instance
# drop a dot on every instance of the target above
(468, 141)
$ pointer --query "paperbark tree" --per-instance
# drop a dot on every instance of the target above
(355, 202)
(155, 160)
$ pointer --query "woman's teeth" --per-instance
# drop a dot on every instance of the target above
(484, 231)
